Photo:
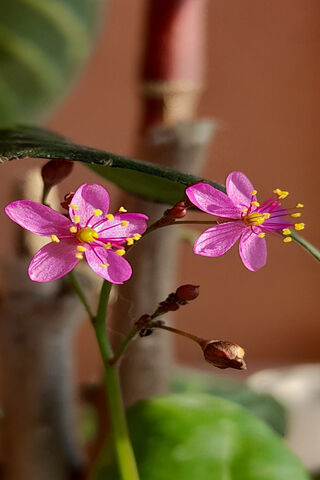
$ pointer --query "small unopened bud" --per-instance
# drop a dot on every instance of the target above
(55, 171)
(187, 292)
(67, 200)
(223, 354)
(177, 211)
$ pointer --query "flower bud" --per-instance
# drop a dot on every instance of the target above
(223, 354)
(67, 200)
(177, 211)
(55, 171)
(187, 292)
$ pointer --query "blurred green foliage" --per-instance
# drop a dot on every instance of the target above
(201, 437)
(42, 45)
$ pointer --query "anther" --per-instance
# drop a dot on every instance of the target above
(105, 265)
(130, 241)
(79, 256)
(124, 223)
(80, 248)
(74, 207)
(287, 239)
(299, 205)
(54, 238)
(120, 252)
(136, 236)
(122, 209)
(254, 192)
(244, 210)
(255, 204)
(97, 212)
(110, 217)
(286, 231)
(107, 246)
(296, 215)
(266, 215)
(76, 218)
(299, 226)
(261, 235)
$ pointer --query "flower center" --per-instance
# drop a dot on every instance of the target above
(87, 235)
(254, 219)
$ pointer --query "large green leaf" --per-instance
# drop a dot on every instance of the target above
(42, 45)
(153, 182)
(264, 406)
(200, 437)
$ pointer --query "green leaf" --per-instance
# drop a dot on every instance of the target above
(264, 406)
(42, 45)
(148, 180)
(200, 437)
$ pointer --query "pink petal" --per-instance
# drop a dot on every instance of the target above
(114, 230)
(218, 239)
(89, 197)
(253, 251)
(38, 218)
(239, 189)
(212, 201)
(118, 271)
(53, 261)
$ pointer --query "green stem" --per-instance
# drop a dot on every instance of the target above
(122, 348)
(306, 245)
(123, 447)
(77, 288)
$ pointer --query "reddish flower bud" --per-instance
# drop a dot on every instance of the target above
(187, 292)
(177, 211)
(67, 200)
(223, 354)
(55, 171)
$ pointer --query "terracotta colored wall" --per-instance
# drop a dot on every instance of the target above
(263, 80)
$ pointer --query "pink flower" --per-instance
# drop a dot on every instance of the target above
(246, 219)
(90, 231)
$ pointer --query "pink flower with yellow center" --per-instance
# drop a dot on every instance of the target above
(90, 232)
(245, 219)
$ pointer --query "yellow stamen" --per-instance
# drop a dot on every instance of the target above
(287, 239)
(298, 214)
(74, 207)
(122, 209)
(136, 236)
(97, 212)
(244, 210)
(79, 256)
(120, 252)
(286, 231)
(299, 226)
(87, 235)
(299, 205)
(110, 217)
(281, 193)
(266, 215)
(76, 219)
(254, 219)
(261, 235)
(255, 204)
(73, 229)
(124, 223)
(107, 246)
(105, 265)
(80, 248)
(54, 238)
(254, 192)
(130, 241)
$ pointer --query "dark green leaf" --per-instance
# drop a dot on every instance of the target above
(151, 181)
(42, 45)
(200, 437)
